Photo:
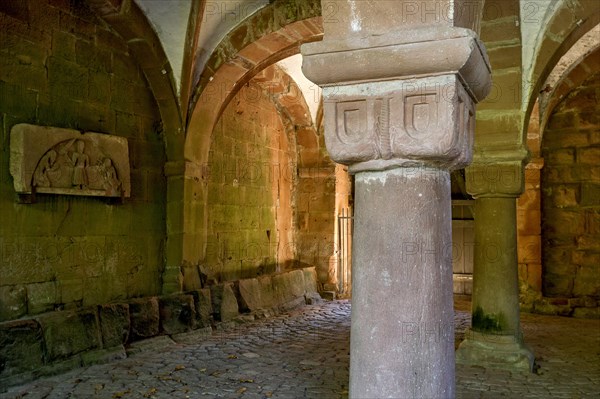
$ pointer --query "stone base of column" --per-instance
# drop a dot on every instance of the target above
(505, 352)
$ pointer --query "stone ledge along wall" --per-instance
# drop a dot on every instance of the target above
(62, 67)
(571, 205)
(57, 341)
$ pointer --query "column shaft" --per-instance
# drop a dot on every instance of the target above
(402, 335)
(495, 339)
(495, 265)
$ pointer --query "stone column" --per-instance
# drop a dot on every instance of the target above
(495, 339)
(400, 80)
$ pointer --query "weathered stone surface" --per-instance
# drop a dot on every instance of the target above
(311, 294)
(191, 278)
(225, 305)
(571, 205)
(145, 318)
(68, 333)
(374, 57)
(587, 281)
(495, 351)
(267, 293)
(250, 295)
(587, 313)
(63, 161)
(203, 306)
(21, 347)
(310, 279)
(288, 286)
(413, 265)
(41, 297)
(13, 302)
(177, 313)
(114, 324)
(397, 142)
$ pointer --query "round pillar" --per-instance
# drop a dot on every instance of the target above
(402, 335)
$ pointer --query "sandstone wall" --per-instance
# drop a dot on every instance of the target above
(60, 66)
(321, 195)
(571, 205)
(251, 190)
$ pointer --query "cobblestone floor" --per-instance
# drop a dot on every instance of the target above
(304, 354)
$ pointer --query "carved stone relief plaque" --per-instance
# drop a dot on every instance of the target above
(64, 161)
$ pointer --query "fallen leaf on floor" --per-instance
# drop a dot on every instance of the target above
(232, 357)
(244, 380)
(179, 367)
(242, 390)
(202, 370)
(118, 395)
(150, 392)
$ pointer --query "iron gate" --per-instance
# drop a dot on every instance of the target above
(345, 229)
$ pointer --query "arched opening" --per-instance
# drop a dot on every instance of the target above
(294, 225)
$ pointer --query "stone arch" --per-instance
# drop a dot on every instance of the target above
(188, 193)
(271, 18)
(129, 21)
(572, 78)
(569, 23)
(230, 76)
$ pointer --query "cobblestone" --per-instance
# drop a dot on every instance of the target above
(304, 354)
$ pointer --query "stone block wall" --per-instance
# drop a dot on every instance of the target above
(57, 341)
(529, 221)
(60, 66)
(323, 190)
(251, 190)
(571, 205)
(317, 220)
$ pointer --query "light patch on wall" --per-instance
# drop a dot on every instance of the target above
(312, 92)
(169, 20)
(355, 23)
(534, 18)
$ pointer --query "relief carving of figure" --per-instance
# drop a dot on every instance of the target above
(112, 185)
(77, 167)
(44, 170)
(80, 162)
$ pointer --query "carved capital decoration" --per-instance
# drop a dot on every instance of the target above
(500, 179)
(64, 161)
(413, 122)
(403, 99)
(497, 171)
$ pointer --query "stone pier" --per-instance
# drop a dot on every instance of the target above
(399, 110)
(495, 339)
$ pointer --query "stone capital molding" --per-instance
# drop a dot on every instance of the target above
(63, 161)
(400, 123)
(497, 180)
(409, 53)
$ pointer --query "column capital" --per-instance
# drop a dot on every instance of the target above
(400, 99)
(497, 180)
(399, 123)
(497, 171)
(356, 18)
(401, 54)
